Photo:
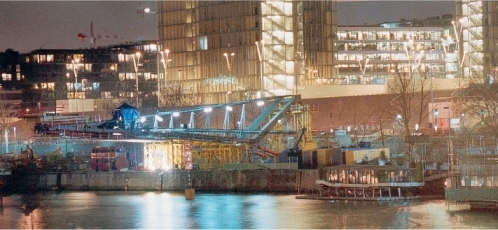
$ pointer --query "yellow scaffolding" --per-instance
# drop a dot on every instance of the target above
(206, 155)
(170, 154)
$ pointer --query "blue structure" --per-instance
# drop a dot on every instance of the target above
(127, 115)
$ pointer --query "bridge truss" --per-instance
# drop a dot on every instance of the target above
(223, 133)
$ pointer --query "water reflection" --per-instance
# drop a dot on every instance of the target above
(170, 210)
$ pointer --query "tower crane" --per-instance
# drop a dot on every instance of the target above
(93, 37)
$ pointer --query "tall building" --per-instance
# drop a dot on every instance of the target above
(222, 51)
(476, 28)
(369, 56)
(94, 79)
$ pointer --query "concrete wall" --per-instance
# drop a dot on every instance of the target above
(264, 180)
(469, 194)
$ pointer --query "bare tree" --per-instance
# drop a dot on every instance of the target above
(178, 95)
(480, 99)
(409, 99)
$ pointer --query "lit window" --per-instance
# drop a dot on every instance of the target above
(122, 76)
(203, 43)
(6, 77)
(50, 58)
(147, 76)
(121, 57)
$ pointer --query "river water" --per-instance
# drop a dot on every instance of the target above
(170, 210)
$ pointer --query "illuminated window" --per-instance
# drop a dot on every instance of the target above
(50, 58)
(121, 57)
(113, 67)
(96, 85)
(203, 43)
(147, 76)
(51, 86)
(69, 86)
(79, 57)
(122, 76)
(6, 77)
(152, 48)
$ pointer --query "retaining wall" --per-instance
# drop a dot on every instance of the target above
(264, 180)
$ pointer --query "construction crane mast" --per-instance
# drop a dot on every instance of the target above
(93, 38)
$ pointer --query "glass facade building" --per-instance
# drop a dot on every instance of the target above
(224, 51)
(476, 27)
(371, 54)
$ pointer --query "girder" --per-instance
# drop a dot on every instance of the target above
(219, 135)
(274, 109)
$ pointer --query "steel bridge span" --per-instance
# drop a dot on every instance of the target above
(242, 132)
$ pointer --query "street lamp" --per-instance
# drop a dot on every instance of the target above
(363, 69)
(136, 61)
(165, 62)
(409, 53)
(179, 75)
(436, 112)
(460, 56)
(15, 140)
(261, 58)
(75, 71)
(228, 62)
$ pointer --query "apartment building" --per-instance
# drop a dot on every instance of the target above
(94, 79)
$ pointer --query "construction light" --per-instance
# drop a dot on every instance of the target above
(158, 118)
(208, 109)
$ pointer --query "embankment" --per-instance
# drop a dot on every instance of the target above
(262, 180)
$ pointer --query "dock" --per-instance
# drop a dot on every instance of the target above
(406, 198)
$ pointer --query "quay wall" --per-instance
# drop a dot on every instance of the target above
(472, 194)
(261, 180)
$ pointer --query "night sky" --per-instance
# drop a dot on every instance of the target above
(26, 26)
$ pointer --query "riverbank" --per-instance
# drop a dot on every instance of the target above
(261, 180)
